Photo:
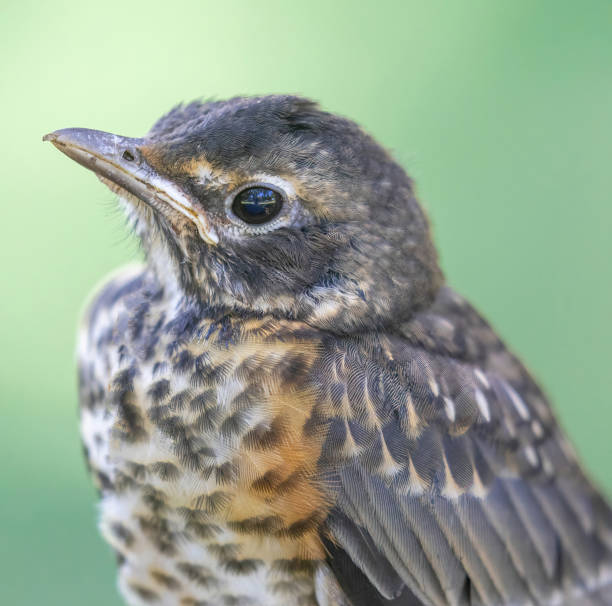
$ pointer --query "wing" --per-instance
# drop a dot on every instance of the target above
(452, 482)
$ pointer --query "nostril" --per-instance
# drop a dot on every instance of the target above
(128, 155)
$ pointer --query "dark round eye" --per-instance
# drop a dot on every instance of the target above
(257, 205)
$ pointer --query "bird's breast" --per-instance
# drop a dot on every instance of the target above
(201, 436)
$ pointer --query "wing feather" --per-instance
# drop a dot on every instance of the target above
(491, 549)
(436, 546)
(476, 571)
(537, 526)
(360, 547)
(385, 530)
(449, 475)
(584, 552)
(501, 514)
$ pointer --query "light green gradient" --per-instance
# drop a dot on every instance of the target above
(501, 112)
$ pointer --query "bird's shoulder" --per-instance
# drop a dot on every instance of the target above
(452, 481)
(445, 374)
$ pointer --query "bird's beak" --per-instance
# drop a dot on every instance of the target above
(119, 163)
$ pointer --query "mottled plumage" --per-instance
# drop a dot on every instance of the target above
(299, 411)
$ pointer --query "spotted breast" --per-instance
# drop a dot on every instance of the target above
(203, 442)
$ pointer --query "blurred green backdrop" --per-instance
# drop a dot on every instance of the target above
(501, 111)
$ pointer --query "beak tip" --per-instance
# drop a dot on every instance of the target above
(50, 137)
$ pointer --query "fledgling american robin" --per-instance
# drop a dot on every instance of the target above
(287, 406)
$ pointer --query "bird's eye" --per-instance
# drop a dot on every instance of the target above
(257, 205)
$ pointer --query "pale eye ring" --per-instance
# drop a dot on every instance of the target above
(257, 204)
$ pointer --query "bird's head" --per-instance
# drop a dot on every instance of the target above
(269, 205)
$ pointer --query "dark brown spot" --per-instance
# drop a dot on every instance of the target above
(183, 362)
(189, 601)
(206, 375)
(158, 413)
(213, 502)
(240, 567)
(159, 533)
(123, 380)
(165, 471)
(225, 552)
(159, 390)
(143, 593)
(264, 437)
(86, 456)
(260, 525)
(104, 481)
(209, 420)
(124, 482)
(198, 574)
(293, 368)
(292, 482)
(129, 425)
(179, 400)
(197, 521)
(166, 580)
(122, 533)
(235, 424)
(226, 473)
(202, 530)
(203, 401)
(153, 498)
(136, 470)
(267, 483)
(301, 527)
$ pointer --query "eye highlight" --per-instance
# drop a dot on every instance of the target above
(256, 205)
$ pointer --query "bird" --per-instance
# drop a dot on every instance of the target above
(286, 403)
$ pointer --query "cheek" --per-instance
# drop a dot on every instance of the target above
(272, 268)
(287, 264)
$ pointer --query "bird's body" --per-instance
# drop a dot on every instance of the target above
(286, 405)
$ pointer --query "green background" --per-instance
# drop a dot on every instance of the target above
(500, 110)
